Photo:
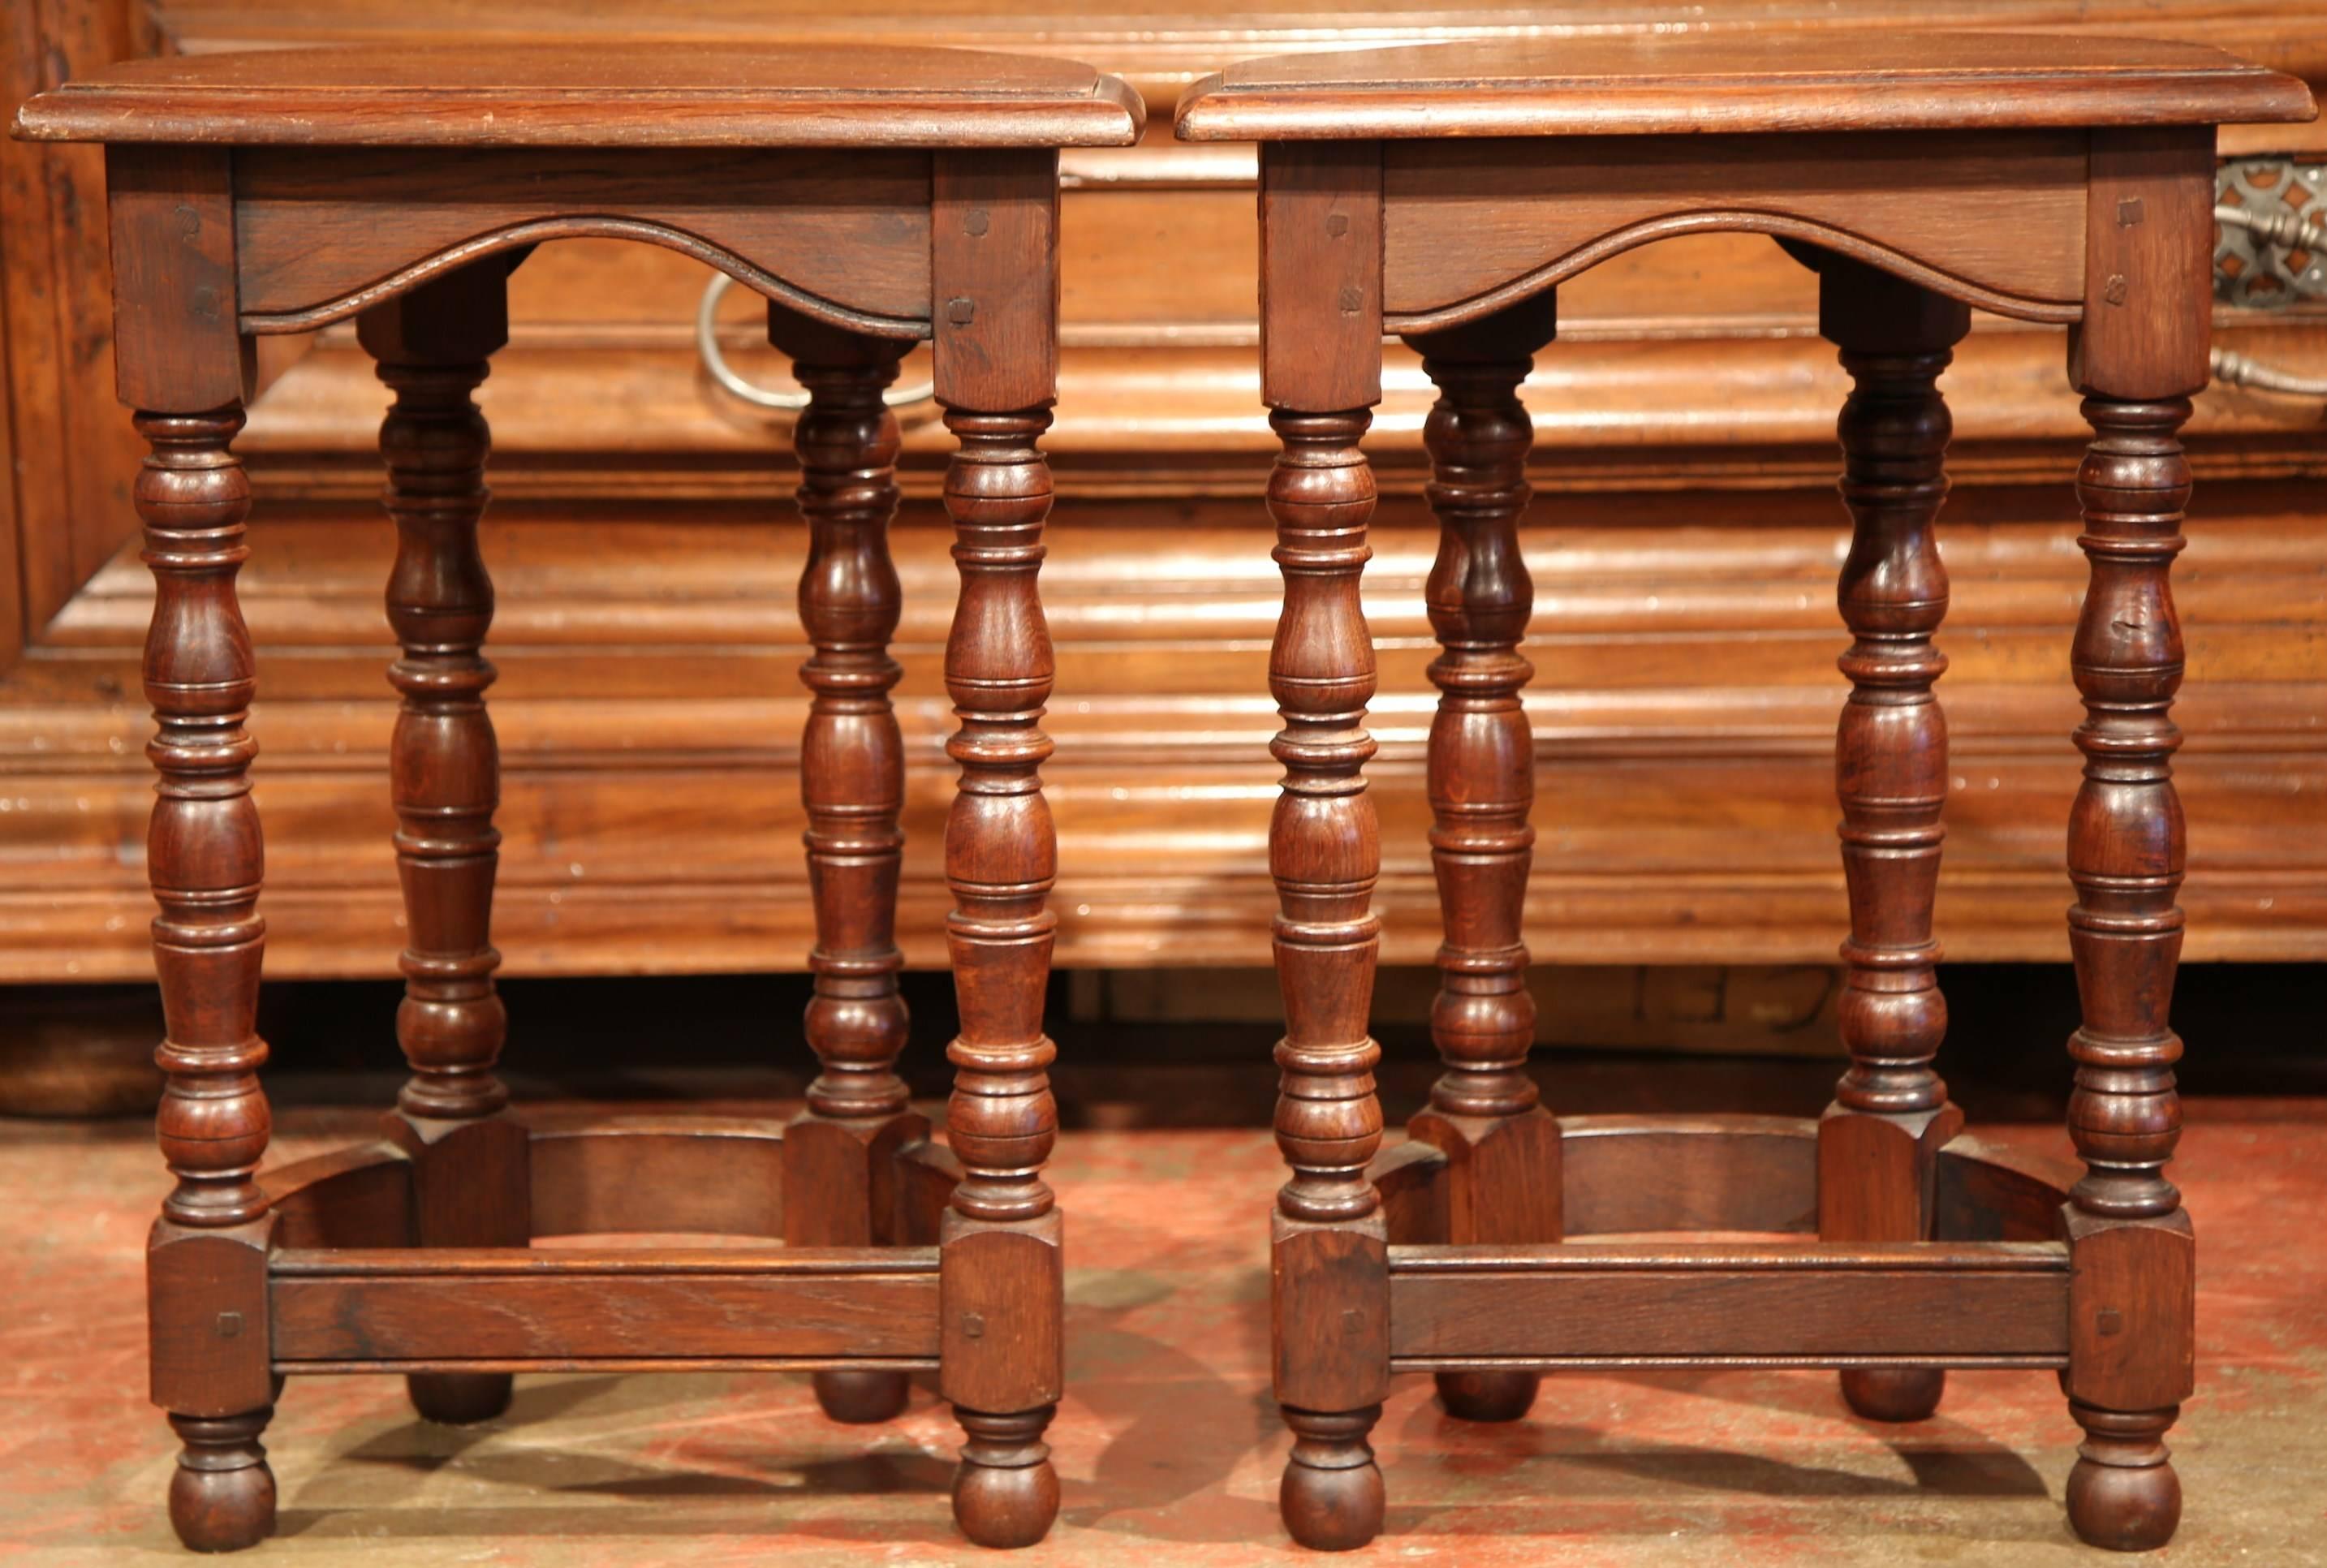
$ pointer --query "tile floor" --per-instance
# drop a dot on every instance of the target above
(1168, 1445)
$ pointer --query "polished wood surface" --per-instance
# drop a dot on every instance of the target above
(1679, 84)
(839, 1157)
(1869, 197)
(994, 247)
(205, 864)
(311, 252)
(1162, 45)
(1680, 720)
(2107, 1298)
(490, 1311)
(470, 1170)
(2134, 1313)
(643, 94)
(1502, 1148)
(1890, 1115)
(859, 1296)
(67, 513)
(1683, 717)
(1730, 1303)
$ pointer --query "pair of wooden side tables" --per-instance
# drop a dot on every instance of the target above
(883, 198)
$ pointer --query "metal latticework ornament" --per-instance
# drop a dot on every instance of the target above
(2270, 245)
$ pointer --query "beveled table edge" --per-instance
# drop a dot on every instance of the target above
(1212, 110)
(1113, 115)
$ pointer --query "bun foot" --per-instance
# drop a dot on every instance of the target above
(1332, 1496)
(1894, 1394)
(222, 1495)
(1487, 1395)
(1005, 1494)
(459, 1399)
(2122, 1494)
(862, 1398)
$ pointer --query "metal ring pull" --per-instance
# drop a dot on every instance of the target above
(706, 344)
(2270, 250)
(2236, 369)
(2288, 228)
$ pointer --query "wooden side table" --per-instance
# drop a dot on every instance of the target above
(1442, 194)
(878, 198)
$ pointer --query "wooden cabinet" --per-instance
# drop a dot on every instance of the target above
(1684, 543)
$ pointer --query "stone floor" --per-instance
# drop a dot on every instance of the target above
(1168, 1445)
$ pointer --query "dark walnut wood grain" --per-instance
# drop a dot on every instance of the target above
(469, 1165)
(1673, 402)
(849, 228)
(206, 865)
(2133, 1313)
(413, 1255)
(2005, 230)
(840, 1154)
(1321, 367)
(1330, 1257)
(386, 1309)
(1003, 1286)
(1977, 104)
(1714, 1303)
(634, 93)
(1502, 1181)
(851, 775)
(1669, 649)
(1380, 173)
(1878, 1142)
(1882, 80)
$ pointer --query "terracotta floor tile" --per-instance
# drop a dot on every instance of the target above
(1168, 1445)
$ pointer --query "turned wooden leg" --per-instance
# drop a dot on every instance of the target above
(206, 1259)
(1332, 1497)
(1006, 1493)
(2138, 356)
(1502, 1145)
(1001, 1293)
(470, 1165)
(222, 1493)
(840, 1153)
(1879, 1142)
(1329, 1253)
(2131, 1297)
